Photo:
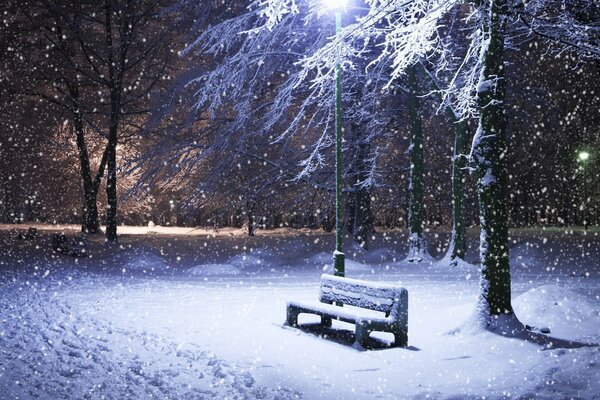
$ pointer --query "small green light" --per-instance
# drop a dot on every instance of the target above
(584, 155)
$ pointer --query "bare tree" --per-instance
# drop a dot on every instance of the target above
(110, 58)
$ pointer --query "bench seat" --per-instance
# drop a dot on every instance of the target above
(345, 314)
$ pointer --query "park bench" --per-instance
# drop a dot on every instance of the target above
(72, 247)
(390, 303)
(29, 235)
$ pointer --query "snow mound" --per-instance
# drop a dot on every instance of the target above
(567, 314)
(564, 311)
(423, 259)
(246, 260)
(141, 260)
(214, 270)
(577, 378)
(480, 323)
(351, 266)
(456, 265)
(236, 265)
(322, 259)
(382, 255)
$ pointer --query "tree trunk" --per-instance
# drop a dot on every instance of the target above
(360, 215)
(417, 244)
(351, 205)
(489, 154)
(363, 218)
(327, 220)
(111, 185)
(90, 222)
(458, 240)
(250, 211)
(115, 113)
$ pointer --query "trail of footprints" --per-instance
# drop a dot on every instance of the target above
(47, 350)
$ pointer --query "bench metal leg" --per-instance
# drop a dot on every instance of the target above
(400, 338)
(326, 321)
(362, 333)
(292, 316)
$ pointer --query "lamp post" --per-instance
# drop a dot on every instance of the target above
(172, 213)
(584, 157)
(338, 254)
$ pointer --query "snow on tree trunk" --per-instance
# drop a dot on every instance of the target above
(363, 218)
(115, 81)
(489, 156)
(111, 188)
(417, 250)
(360, 214)
(458, 240)
(90, 222)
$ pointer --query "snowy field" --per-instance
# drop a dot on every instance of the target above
(176, 313)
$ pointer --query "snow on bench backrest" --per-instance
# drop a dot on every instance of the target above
(364, 294)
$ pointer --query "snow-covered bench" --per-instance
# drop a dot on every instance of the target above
(390, 303)
(72, 247)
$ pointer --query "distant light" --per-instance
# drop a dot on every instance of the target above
(335, 4)
(584, 155)
(171, 201)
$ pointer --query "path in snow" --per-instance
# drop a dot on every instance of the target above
(51, 349)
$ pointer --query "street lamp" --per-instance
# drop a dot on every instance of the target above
(335, 4)
(583, 157)
(338, 254)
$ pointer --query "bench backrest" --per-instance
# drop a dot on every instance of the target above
(386, 298)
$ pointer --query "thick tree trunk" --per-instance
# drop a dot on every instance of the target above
(360, 214)
(489, 155)
(458, 240)
(250, 211)
(250, 225)
(458, 243)
(90, 222)
(327, 220)
(363, 218)
(115, 79)
(417, 244)
(351, 204)
(111, 185)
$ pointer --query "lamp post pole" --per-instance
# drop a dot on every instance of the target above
(585, 198)
(338, 254)
(583, 157)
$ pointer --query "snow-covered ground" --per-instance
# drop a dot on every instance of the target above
(192, 314)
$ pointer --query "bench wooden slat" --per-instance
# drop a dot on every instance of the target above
(346, 314)
(358, 293)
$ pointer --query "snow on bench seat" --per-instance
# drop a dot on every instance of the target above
(376, 307)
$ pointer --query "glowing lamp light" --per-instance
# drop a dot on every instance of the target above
(584, 155)
(335, 4)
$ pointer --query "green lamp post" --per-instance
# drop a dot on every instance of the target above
(584, 157)
(338, 254)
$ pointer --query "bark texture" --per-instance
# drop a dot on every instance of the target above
(417, 245)
(458, 239)
(490, 162)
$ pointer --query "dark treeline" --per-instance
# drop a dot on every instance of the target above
(92, 93)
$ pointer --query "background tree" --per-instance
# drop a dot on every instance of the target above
(58, 81)
(417, 244)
